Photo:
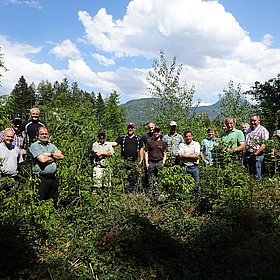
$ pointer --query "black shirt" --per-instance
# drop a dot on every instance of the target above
(31, 130)
(130, 146)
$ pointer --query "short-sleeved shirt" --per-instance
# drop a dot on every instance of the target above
(10, 157)
(130, 146)
(192, 148)
(207, 148)
(156, 149)
(106, 147)
(173, 142)
(18, 138)
(38, 148)
(255, 136)
(233, 138)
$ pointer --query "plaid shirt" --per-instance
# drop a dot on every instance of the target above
(255, 137)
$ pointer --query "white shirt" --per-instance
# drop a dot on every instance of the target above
(192, 148)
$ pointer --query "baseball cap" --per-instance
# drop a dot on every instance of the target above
(16, 121)
(131, 124)
(172, 123)
(101, 133)
(156, 129)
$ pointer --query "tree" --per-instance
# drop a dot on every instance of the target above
(113, 117)
(100, 110)
(23, 97)
(2, 65)
(267, 96)
(233, 103)
(175, 97)
(45, 93)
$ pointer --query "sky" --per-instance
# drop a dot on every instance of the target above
(111, 44)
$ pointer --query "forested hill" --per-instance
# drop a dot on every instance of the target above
(144, 110)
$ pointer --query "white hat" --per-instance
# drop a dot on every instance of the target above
(173, 123)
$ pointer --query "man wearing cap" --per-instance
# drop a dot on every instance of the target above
(131, 149)
(173, 140)
(155, 155)
(18, 136)
(101, 151)
(10, 158)
(31, 127)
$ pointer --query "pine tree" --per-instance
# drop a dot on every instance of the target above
(45, 93)
(23, 97)
(100, 111)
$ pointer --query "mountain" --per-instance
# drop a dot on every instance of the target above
(144, 110)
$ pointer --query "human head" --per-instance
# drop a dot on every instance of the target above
(130, 128)
(35, 114)
(173, 127)
(16, 123)
(230, 123)
(156, 132)
(255, 120)
(151, 127)
(43, 134)
(188, 135)
(101, 137)
(210, 132)
(8, 136)
(244, 127)
(224, 127)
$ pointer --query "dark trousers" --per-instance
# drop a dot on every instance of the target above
(132, 171)
(154, 167)
(48, 187)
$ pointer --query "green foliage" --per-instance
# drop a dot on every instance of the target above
(233, 103)
(23, 97)
(175, 97)
(267, 96)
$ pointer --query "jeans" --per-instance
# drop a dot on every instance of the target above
(192, 170)
(258, 163)
(254, 164)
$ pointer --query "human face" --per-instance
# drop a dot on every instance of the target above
(156, 134)
(130, 130)
(244, 128)
(102, 139)
(151, 127)
(188, 138)
(254, 121)
(229, 124)
(35, 114)
(173, 129)
(211, 133)
(8, 137)
(15, 126)
(43, 135)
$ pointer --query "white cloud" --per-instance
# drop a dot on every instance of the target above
(103, 60)
(67, 49)
(17, 62)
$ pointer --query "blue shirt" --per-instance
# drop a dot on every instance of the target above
(38, 148)
(207, 148)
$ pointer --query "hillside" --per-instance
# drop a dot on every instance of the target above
(144, 110)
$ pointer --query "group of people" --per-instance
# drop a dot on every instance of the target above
(153, 148)
(29, 139)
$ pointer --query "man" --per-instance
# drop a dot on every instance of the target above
(131, 148)
(149, 134)
(173, 140)
(31, 127)
(10, 158)
(189, 153)
(44, 157)
(255, 137)
(244, 127)
(155, 155)
(18, 136)
(101, 150)
(232, 138)
(208, 145)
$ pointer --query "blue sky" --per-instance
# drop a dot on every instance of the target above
(110, 45)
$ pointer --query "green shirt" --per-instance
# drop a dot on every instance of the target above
(233, 138)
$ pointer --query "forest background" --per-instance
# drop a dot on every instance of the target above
(231, 231)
